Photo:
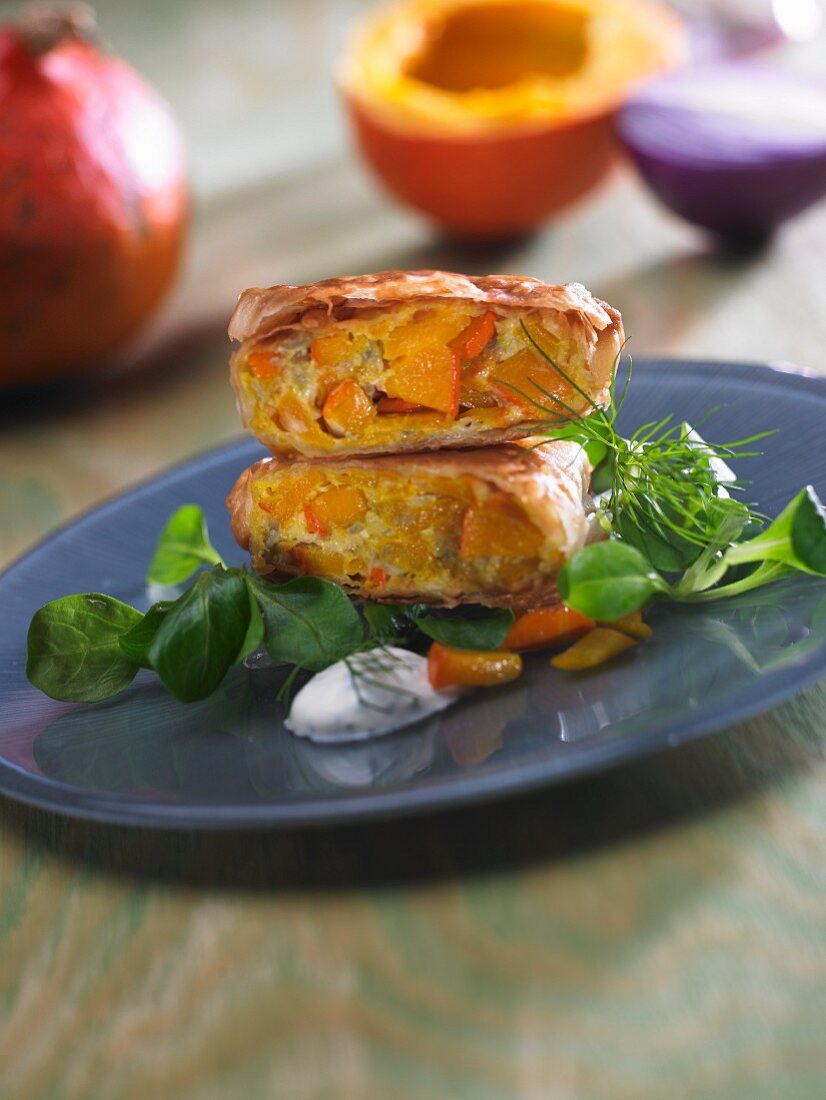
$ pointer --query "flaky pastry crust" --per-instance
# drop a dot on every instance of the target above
(588, 327)
(549, 481)
(262, 312)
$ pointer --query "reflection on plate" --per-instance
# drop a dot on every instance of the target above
(142, 757)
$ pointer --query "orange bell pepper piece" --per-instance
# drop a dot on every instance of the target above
(448, 667)
(315, 523)
(593, 649)
(498, 528)
(473, 340)
(547, 626)
(379, 575)
(347, 409)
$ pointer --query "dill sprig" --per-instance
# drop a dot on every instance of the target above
(671, 508)
(661, 489)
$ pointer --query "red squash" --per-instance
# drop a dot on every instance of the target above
(92, 198)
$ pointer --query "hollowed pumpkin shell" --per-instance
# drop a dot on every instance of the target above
(490, 115)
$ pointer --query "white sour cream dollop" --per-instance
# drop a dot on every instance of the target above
(367, 695)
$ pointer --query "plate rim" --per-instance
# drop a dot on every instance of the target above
(43, 793)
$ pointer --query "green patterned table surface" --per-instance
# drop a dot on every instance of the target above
(658, 931)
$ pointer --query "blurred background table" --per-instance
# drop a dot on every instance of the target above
(659, 931)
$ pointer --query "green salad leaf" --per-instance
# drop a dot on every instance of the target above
(73, 648)
(136, 642)
(465, 627)
(608, 580)
(202, 634)
(183, 547)
(255, 630)
(309, 622)
(796, 538)
(386, 622)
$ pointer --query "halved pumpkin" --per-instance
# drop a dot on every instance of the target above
(490, 115)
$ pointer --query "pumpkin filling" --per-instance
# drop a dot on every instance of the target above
(396, 533)
(462, 67)
(397, 377)
(494, 45)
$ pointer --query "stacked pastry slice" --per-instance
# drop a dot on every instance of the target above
(401, 410)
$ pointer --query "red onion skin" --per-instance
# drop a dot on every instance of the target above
(737, 182)
(739, 203)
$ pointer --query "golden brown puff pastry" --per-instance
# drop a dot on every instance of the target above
(417, 360)
(490, 526)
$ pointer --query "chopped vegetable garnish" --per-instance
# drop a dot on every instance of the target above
(632, 624)
(593, 649)
(449, 668)
(547, 626)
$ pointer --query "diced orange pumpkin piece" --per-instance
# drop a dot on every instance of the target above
(547, 626)
(448, 667)
(337, 507)
(441, 515)
(264, 366)
(632, 624)
(473, 340)
(431, 327)
(593, 649)
(498, 528)
(292, 494)
(517, 380)
(428, 376)
(455, 488)
(321, 561)
(396, 405)
(347, 409)
(338, 346)
(422, 368)
(549, 344)
(291, 416)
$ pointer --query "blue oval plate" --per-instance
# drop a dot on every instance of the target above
(143, 758)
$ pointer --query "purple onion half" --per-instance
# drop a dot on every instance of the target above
(737, 148)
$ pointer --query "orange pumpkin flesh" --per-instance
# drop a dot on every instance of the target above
(490, 115)
(347, 408)
(494, 45)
